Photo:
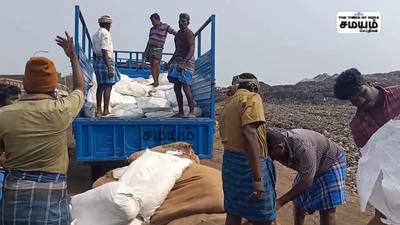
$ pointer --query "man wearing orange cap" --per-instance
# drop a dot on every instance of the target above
(106, 72)
(33, 134)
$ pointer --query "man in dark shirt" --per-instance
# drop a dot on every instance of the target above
(181, 65)
(320, 184)
(375, 107)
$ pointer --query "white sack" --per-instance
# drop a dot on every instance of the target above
(378, 174)
(172, 98)
(118, 99)
(159, 114)
(110, 204)
(127, 111)
(163, 79)
(157, 93)
(136, 222)
(132, 88)
(152, 104)
(89, 110)
(165, 87)
(151, 177)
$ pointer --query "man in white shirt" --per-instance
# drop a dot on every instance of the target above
(104, 65)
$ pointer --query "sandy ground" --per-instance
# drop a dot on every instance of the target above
(350, 213)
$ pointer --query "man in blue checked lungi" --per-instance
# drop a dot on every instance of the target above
(104, 65)
(33, 135)
(320, 184)
(181, 65)
(248, 173)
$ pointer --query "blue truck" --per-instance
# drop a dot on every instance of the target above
(99, 140)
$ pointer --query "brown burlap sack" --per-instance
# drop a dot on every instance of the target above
(185, 148)
(104, 180)
(198, 191)
(376, 220)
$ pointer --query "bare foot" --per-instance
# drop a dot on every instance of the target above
(99, 113)
(178, 115)
(190, 115)
(155, 84)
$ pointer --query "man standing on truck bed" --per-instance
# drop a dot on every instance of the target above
(248, 173)
(104, 66)
(181, 65)
(155, 45)
(33, 134)
(375, 107)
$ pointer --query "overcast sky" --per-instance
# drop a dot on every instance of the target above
(279, 41)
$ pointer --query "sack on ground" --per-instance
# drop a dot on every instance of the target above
(110, 204)
(151, 178)
(198, 190)
(180, 149)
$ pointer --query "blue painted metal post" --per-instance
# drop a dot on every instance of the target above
(213, 65)
(143, 63)
(199, 45)
(130, 60)
(136, 61)
(77, 11)
(84, 39)
(90, 51)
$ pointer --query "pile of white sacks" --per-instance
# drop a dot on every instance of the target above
(136, 98)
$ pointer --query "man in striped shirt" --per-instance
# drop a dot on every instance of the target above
(155, 45)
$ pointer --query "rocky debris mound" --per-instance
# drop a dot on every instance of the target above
(318, 90)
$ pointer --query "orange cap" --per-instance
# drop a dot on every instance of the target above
(40, 76)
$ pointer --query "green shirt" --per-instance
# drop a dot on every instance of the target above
(33, 133)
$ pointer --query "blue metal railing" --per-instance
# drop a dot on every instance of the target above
(85, 36)
(203, 85)
(135, 59)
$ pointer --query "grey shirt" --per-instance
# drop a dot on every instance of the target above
(310, 153)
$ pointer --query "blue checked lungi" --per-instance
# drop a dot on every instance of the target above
(101, 71)
(176, 77)
(327, 192)
(237, 178)
(34, 198)
(1, 183)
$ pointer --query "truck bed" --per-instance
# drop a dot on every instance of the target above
(110, 139)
